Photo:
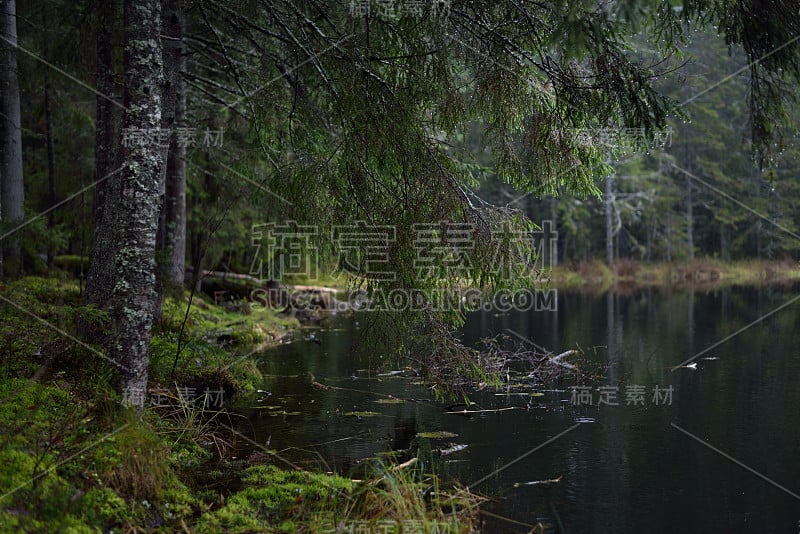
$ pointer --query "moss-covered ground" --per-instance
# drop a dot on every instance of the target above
(74, 459)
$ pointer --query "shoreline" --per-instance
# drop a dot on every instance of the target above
(596, 276)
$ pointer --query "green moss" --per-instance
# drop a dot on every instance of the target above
(35, 497)
(233, 518)
(275, 500)
(239, 324)
(133, 463)
(205, 359)
(201, 365)
(37, 415)
(16, 471)
(75, 461)
(187, 454)
(103, 508)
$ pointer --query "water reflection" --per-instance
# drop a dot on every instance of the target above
(630, 470)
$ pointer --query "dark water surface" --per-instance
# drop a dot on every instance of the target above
(723, 456)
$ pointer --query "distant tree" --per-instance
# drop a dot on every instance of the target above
(100, 277)
(12, 191)
(173, 230)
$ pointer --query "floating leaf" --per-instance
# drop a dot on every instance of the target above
(390, 401)
(362, 414)
(437, 435)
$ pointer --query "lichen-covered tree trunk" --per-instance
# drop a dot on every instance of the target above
(133, 295)
(12, 192)
(173, 231)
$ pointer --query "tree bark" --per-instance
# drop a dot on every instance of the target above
(609, 207)
(12, 190)
(100, 274)
(689, 217)
(51, 168)
(173, 218)
(131, 207)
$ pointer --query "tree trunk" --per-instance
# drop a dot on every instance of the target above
(689, 217)
(133, 207)
(12, 191)
(51, 168)
(173, 231)
(609, 206)
(100, 274)
(724, 252)
(669, 237)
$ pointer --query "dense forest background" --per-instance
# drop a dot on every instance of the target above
(674, 200)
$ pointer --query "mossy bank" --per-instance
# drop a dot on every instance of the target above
(74, 459)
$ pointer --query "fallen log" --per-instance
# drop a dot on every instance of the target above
(225, 286)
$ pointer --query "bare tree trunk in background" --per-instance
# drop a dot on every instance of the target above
(689, 217)
(100, 275)
(51, 167)
(12, 191)
(51, 155)
(171, 40)
(609, 207)
(173, 217)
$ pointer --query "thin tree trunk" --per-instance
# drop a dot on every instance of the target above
(724, 251)
(689, 217)
(609, 206)
(174, 230)
(51, 167)
(12, 189)
(669, 237)
(172, 11)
